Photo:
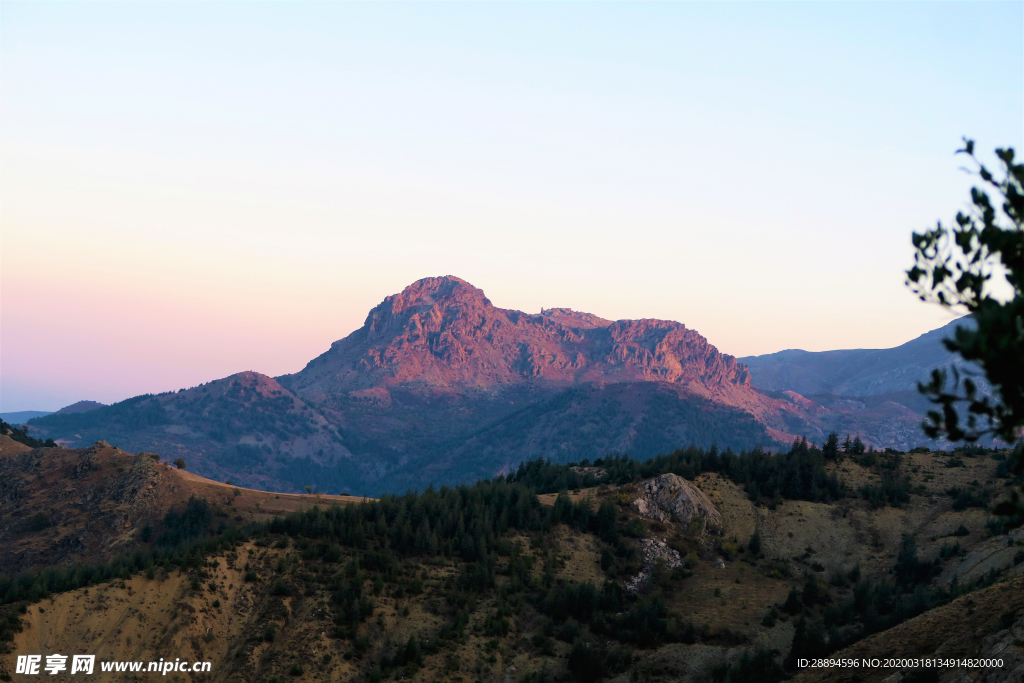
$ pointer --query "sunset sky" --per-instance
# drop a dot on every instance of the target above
(189, 190)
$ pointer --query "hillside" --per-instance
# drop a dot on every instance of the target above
(441, 386)
(60, 506)
(986, 624)
(235, 428)
(492, 582)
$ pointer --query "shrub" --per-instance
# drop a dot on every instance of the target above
(36, 522)
(947, 551)
(636, 527)
(892, 491)
(751, 667)
(186, 525)
(281, 588)
(755, 542)
(793, 605)
(964, 498)
(591, 662)
(909, 570)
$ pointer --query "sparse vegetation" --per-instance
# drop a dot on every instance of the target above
(491, 562)
(798, 474)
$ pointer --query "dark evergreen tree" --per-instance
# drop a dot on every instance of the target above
(954, 267)
(830, 449)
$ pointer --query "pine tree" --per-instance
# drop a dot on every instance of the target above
(830, 449)
(847, 444)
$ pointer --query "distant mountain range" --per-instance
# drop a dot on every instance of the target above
(22, 416)
(441, 386)
(856, 372)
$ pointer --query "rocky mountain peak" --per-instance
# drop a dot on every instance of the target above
(444, 332)
(430, 298)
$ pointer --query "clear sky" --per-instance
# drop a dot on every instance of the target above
(189, 190)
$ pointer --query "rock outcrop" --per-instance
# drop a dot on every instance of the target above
(669, 497)
(1003, 646)
(598, 473)
(651, 552)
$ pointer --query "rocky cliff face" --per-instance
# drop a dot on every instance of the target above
(443, 332)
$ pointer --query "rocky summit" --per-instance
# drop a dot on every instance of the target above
(444, 332)
(439, 385)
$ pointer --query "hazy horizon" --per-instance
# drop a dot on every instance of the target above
(192, 190)
(53, 407)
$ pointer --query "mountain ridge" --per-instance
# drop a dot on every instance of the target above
(859, 372)
(440, 386)
(445, 332)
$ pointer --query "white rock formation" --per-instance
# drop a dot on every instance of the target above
(670, 497)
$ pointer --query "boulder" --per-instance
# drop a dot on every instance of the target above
(669, 497)
(598, 473)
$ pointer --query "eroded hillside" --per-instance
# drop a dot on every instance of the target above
(492, 583)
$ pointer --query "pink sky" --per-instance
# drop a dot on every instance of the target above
(172, 216)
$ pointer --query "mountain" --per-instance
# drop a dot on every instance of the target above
(22, 416)
(444, 333)
(856, 372)
(81, 407)
(236, 427)
(439, 375)
(441, 386)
